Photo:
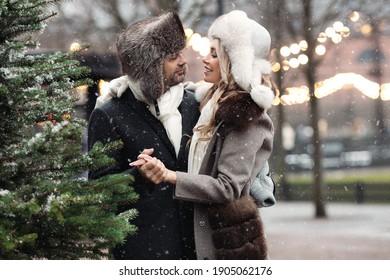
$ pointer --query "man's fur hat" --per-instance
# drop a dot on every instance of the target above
(247, 44)
(143, 46)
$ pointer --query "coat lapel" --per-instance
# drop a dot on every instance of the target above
(189, 109)
(142, 110)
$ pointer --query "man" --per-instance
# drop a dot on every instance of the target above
(153, 111)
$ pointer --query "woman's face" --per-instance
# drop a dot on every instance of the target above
(212, 73)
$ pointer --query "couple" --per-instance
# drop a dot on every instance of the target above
(207, 212)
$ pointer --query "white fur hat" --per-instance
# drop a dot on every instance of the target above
(247, 44)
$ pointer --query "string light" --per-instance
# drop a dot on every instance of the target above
(299, 95)
(197, 42)
(303, 45)
(285, 51)
(320, 50)
(385, 92)
(354, 16)
(295, 95)
(335, 33)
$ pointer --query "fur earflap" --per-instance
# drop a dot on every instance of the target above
(201, 90)
(143, 46)
(263, 96)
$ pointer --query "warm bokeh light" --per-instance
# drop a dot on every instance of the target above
(296, 95)
(193, 41)
(320, 50)
(345, 31)
(366, 29)
(299, 95)
(322, 37)
(204, 46)
(337, 38)
(285, 65)
(338, 26)
(330, 32)
(295, 49)
(294, 63)
(75, 47)
(303, 45)
(81, 95)
(354, 16)
(385, 92)
(83, 89)
(342, 80)
(276, 67)
(285, 51)
(303, 59)
(104, 87)
(188, 32)
(197, 42)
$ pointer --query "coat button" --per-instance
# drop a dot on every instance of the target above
(202, 223)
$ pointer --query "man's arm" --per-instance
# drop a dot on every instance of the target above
(102, 129)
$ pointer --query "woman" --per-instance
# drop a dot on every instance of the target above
(232, 142)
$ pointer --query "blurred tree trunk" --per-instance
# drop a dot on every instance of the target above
(278, 10)
(377, 73)
(310, 75)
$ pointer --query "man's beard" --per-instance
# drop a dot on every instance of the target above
(175, 78)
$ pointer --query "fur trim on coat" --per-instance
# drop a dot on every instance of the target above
(239, 110)
(237, 230)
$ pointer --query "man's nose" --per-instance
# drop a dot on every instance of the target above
(182, 59)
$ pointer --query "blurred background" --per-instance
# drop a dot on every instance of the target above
(331, 63)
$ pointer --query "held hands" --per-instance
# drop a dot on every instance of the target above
(153, 169)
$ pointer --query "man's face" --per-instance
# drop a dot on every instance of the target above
(175, 69)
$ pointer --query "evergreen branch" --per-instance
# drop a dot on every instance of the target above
(45, 212)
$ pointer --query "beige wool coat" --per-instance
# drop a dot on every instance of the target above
(233, 158)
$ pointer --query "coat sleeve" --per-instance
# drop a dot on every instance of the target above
(241, 152)
(102, 128)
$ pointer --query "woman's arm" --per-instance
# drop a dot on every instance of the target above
(240, 153)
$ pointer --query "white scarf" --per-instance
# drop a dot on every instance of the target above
(198, 147)
(169, 114)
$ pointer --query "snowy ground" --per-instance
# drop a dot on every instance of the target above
(351, 231)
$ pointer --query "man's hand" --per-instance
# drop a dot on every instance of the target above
(150, 168)
(141, 161)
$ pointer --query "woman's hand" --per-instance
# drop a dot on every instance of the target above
(153, 169)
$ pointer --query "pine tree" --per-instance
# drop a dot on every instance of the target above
(48, 211)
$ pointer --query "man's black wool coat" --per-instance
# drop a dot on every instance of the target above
(165, 225)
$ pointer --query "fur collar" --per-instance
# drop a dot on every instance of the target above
(239, 110)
